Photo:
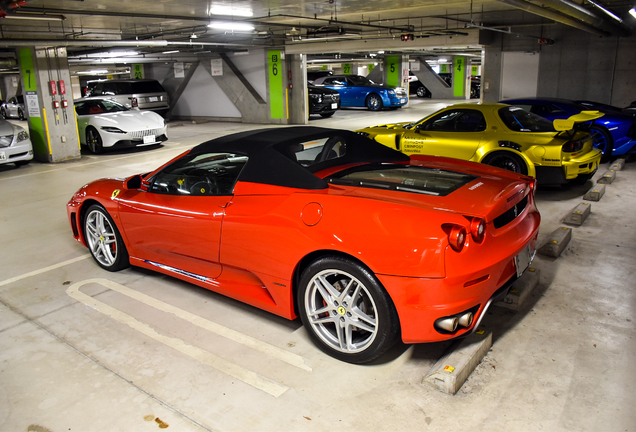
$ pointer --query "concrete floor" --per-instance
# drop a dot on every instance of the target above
(85, 350)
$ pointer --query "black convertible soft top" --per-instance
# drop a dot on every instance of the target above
(271, 157)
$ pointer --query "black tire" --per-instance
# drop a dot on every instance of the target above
(21, 114)
(355, 330)
(507, 160)
(602, 140)
(374, 102)
(3, 113)
(94, 140)
(22, 163)
(326, 115)
(103, 239)
(422, 92)
(581, 179)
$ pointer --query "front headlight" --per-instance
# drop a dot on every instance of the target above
(23, 135)
(316, 97)
(364, 134)
(112, 129)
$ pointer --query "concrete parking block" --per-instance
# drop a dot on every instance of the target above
(579, 214)
(596, 193)
(557, 242)
(618, 164)
(521, 289)
(608, 177)
(453, 369)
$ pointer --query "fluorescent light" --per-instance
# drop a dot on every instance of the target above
(170, 52)
(112, 54)
(232, 26)
(40, 17)
(632, 12)
(231, 10)
(605, 10)
(93, 72)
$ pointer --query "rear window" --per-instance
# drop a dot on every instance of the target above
(312, 152)
(519, 120)
(146, 87)
(405, 178)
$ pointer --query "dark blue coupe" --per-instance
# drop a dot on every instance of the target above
(614, 133)
(359, 91)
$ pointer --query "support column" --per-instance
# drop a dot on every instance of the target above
(298, 103)
(49, 104)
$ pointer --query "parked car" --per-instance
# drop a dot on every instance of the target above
(145, 94)
(613, 134)
(416, 87)
(322, 100)
(313, 75)
(105, 123)
(364, 243)
(359, 91)
(13, 108)
(629, 110)
(499, 135)
(15, 144)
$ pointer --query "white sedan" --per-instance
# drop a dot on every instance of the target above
(105, 123)
(15, 144)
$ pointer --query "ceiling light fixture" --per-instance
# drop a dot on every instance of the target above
(231, 26)
(36, 17)
(605, 10)
(632, 12)
(170, 52)
(193, 36)
(231, 10)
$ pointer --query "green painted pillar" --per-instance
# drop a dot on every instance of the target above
(46, 82)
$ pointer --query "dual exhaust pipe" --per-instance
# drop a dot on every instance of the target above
(451, 323)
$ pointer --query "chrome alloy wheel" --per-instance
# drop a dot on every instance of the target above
(341, 311)
(101, 238)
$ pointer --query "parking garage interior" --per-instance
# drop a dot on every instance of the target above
(84, 349)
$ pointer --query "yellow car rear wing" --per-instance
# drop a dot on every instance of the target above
(583, 116)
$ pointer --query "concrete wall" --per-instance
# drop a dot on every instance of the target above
(578, 66)
(223, 97)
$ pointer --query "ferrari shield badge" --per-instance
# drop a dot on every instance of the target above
(115, 193)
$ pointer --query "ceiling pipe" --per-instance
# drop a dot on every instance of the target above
(578, 12)
(555, 16)
(10, 43)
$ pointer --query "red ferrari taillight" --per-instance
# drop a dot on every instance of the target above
(456, 237)
(478, 229)
(572, 146)
(134, 102)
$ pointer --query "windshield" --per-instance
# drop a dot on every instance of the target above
(404, 178)
(520, 120)
(98, 106)
(360, 80)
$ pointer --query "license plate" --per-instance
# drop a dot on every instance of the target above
(523, 260)
(334, 105)
(3, 156)
(153, 99)
(149, 139)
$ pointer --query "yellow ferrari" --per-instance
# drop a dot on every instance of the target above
(500, 135)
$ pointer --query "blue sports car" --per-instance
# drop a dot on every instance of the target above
(359, 91)
(614, 133)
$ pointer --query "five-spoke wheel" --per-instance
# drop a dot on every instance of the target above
(346, 310)
(94, 140)
(103, 240)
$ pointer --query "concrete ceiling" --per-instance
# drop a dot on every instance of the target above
(153, 30)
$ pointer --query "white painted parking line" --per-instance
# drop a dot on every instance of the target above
(248, 377)
(44, 270)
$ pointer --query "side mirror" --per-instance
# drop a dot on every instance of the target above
(134, 182)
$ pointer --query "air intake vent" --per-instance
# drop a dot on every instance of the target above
(510, 215)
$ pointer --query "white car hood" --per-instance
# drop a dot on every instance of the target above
(131, 120)
(6, 128)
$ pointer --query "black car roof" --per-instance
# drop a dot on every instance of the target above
(270, 158)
